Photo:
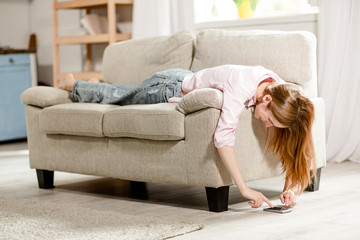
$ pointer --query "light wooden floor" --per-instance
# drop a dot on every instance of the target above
(331, 213)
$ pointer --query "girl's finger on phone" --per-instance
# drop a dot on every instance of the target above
(268, 202)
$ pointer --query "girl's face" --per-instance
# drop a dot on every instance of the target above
(264, 114)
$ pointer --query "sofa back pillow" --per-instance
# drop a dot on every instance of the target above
(292, 55)
(130, 62)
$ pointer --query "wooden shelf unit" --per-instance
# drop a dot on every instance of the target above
(80, 4)
(101, 38)
(111, 37)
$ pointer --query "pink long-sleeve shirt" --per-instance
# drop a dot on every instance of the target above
(238, 84)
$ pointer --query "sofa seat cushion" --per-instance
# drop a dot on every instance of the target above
(81, 119)
(151, 121)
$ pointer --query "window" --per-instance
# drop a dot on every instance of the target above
(222, 10)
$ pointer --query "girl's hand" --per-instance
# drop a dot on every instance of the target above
(257, 197)
(288, 198)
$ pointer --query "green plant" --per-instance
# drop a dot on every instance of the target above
(253, 3)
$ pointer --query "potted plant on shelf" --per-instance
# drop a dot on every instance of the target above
(246, 8)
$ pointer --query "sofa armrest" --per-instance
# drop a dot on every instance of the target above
(45, 96)
(200, 99)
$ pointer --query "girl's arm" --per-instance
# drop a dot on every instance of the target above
(228, 156)
(288, 197)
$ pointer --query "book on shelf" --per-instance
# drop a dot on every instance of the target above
(124, 27)
(94, 23)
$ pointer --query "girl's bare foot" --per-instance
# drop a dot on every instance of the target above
(68, 82)
(94, 80)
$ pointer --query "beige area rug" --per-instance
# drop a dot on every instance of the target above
(29, 219)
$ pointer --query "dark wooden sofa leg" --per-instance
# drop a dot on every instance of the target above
(315, 185)
(45, 178)
(218, 198)
(138, 190)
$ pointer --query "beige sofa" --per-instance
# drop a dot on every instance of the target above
(168, 142)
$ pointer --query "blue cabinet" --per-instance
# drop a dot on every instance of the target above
(16, 75)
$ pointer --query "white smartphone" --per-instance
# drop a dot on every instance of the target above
(282, 209)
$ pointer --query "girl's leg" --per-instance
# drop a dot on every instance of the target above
(94, 79)
(156, 89)
(67, 83)
(93, 91)
(104, 93)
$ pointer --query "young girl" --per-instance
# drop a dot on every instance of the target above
(276, 103)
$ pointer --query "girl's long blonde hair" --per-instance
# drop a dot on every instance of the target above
(293, 144)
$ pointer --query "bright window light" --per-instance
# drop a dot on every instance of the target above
(222, 10)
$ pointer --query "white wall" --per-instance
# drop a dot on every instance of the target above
(41, 25)
(20, 18)
(14, 23)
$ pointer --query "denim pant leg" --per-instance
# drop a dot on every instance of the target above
(159, 88)
(99, 92)
(156, 89)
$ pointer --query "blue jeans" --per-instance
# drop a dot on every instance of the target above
(158, 89)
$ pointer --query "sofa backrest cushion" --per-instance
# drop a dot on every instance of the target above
(130, 62)
(292, 55)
